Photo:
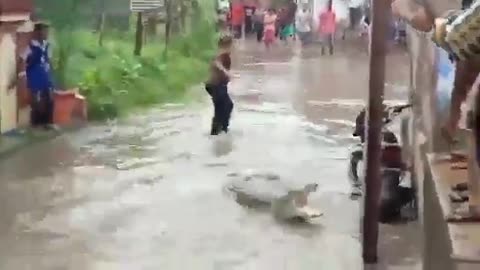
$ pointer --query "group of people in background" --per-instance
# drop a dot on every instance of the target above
(285, 23)
(289, 21)
(271, 24)
(248, 18)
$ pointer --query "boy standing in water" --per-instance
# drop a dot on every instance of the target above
(327, 28)
(217, 86)
(39, 77)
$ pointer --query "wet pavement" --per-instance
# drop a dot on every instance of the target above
(148, 192)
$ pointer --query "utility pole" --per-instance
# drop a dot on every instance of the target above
(378, 46)
(168, 23)
(139, 35)
(101, 27)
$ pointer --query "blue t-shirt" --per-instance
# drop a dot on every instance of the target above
(38, 67)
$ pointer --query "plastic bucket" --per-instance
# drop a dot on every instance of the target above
(80, 110)
(64, 104)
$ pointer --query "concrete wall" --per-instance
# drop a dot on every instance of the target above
(12, 113)
(8, 72)
(23, 38)
(13, 15)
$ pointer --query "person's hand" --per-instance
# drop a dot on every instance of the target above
(228, 75)
(440, 31)
(19, 82)
(233, 75)
(11, 85)
(404, 9)
(415, 14)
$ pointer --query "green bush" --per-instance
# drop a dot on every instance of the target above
(114, 81)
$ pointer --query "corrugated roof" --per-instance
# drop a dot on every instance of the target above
(144, 5)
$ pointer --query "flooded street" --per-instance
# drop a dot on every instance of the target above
(148, 192)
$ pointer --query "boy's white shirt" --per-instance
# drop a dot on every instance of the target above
(26, 53)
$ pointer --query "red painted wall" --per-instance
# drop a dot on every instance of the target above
(15, 6)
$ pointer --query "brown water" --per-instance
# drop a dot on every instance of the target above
(148, 192)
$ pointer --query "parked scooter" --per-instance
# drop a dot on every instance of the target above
(394, 194)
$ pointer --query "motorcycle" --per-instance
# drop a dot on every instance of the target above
(395, 194)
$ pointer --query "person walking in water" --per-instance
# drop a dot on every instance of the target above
(270, 20)
(217, 86)
(327, 28)
(288, 30)
(238, 18)
(280, 23)
(258, 19)
(303, 24)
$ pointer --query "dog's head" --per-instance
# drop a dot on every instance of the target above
(310, 188)
(302, 193)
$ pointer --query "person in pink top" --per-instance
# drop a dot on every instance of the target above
(270, 19)
(327, 28)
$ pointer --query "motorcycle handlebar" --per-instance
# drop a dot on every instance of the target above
(394, 110)
(390, 111)
(400, 108)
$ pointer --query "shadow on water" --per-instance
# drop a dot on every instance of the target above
(305, 229)
(40, 160)
(401, 239)
(222, 145)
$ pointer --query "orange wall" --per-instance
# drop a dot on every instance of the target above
(15, 6)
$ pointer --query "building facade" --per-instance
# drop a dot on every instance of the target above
(15, 29)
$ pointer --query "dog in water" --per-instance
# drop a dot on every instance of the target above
(269, 191)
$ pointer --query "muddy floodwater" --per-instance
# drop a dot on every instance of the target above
(148, 192)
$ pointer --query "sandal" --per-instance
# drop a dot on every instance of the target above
(458, 197)
(458, 167)
(460, 187)
(458, 158)
(463, 217)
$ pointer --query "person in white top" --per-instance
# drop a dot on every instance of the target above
(304, 25)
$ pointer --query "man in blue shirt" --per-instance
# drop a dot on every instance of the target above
(39, 78)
